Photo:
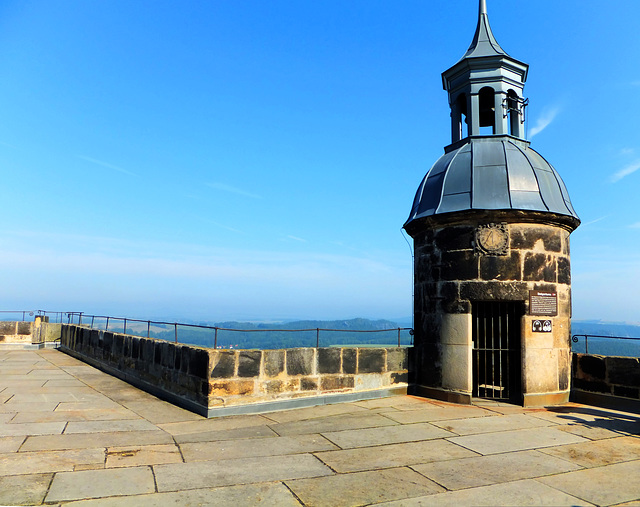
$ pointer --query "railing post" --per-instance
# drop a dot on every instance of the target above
(148, 328)
(215, 338)
(125, 327)
(80, 318)
(106, 327)
(176, 331)
(398, 337)
(92, 317)
(317, 338)
(23, 315)
(586, 344)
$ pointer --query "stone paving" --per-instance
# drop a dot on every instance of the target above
(72, 435)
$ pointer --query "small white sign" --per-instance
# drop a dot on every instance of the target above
(541, 326)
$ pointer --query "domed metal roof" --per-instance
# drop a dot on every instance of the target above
(491, 173)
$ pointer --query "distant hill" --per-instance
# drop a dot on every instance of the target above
(301, 333)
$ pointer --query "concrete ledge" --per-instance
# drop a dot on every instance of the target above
(29, 346)
(312, 401)
(441, 394)
(605, 401)
(545, 399)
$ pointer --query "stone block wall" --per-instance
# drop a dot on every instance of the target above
(452, 271)
(206, 380)
(617, 376)
(38, 332)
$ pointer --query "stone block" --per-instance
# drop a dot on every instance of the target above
(540, 371)
(456, 367)
(428, 364)
(308, 384)
(273, 362)
(127, 347)
(231, 387)
(184, 361)
(24, 328)
(454, 238)
(400, 378)
(626, 392)
(223, 363)
(595, 386)
(564, 270)
(273, 386)
(456, 329)
(329, 360)
(371, 360)
(460, 265)
(8, 328)
(94, 337)
(107, 342)
(528, 238)
(157, 353)
(349, 361)
(199, 363)
(135, 347)
(300, 361)
(249, 363)
(118, 345)
(623, 371)
(371, 381)
(494, 291)
(501, 267)
(336, 382)
(564, 369)
(177, 360)
(538, 266)
(397, 359)
(591, 367)
(149, 352)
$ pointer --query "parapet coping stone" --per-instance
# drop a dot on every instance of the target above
(605, 400)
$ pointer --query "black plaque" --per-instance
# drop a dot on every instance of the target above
(543, 303)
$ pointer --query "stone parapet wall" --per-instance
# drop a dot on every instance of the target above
(207, 380)
(29, 333)
(617, 376)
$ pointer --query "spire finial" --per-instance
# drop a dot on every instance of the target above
(483, 7)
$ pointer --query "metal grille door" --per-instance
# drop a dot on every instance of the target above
(496, 350)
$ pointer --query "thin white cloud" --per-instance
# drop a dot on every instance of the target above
(233, 190)
(627, 151)
(626, 171)
(548, 115)
(635, 226)
(296, 238)
(107, 165)
(584, 224)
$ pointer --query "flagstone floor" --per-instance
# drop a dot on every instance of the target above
(72, 435)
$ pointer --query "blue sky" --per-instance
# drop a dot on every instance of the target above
(246, 159)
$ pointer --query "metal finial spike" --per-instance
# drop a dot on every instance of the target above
(483, 7)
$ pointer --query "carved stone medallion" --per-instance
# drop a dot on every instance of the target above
(492, 239)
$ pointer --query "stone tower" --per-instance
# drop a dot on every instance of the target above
(490, 224)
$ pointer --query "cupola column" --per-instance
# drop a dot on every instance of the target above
(502, 120)
(474, 124)
(456, 122)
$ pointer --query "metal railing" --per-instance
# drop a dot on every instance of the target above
(19, 313)
(98, 321)
(606, 345)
